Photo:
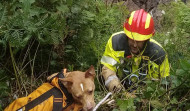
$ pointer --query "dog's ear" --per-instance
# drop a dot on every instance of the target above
(66, 81)
(90, 72)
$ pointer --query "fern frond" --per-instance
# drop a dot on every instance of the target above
(3, 15)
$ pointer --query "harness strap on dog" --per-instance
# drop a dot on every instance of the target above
(59, 75)
(57, 102)
(69, 97)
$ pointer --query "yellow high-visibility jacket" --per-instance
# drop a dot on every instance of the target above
(152, 62)
(50, 96)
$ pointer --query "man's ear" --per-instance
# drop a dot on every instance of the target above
(67, 82)
(90, 72)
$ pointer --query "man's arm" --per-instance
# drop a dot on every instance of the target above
(109, 60)
(111, 79)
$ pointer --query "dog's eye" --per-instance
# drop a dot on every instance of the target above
(79, 97)
(90, 92)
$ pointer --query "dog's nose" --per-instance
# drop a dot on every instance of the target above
(90, 108)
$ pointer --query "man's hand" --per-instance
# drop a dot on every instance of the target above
(111, 80)
(114, 85)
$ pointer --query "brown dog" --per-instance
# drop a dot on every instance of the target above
(72, 91)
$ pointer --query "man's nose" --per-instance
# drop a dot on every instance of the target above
(134, 44)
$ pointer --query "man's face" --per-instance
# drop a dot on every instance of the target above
(136, 46)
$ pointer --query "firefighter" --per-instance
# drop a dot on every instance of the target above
(132, 56)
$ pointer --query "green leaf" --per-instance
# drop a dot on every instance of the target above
(156, 104)
(164, 81)
(149, 89)
(75, 9)
(147, 94)
(175, 82)
(63, 8)
(1, 6)
(69, 2)
(68, 51)
(187, 106)
(148, 82)
(27, 1)
(180, 72)
(36, 11)
(126, 104)
(174, 101)
(53, 62)
(3, 86)
(54, 55)
(155, 109)
(88, 15)
(69, 46)
(185, 65)
(130, 105)
(3, 47)
(26, 7)
(123, 105)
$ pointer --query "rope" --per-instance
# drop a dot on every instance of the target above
(104, 99)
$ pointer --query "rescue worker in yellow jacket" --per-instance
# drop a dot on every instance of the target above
(131, 56)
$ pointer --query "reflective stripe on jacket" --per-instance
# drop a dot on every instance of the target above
(153, 57)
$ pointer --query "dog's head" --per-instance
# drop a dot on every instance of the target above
(81, 86)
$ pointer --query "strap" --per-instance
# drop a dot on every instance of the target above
(57, 106)
(59, 75)
(144, 67)
(69, 97)
(58, 100)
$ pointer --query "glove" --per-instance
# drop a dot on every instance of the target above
(111, 80)
(114, 85)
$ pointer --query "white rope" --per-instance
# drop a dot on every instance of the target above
(104, 99)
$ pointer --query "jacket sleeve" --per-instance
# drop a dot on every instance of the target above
(110, 57)
(159, 71)
(165, 68)
(160, 65)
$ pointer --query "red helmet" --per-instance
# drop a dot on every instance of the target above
(139, 26)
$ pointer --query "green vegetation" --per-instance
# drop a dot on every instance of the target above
(40, 37)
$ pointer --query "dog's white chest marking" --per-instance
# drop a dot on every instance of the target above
(81, 85)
